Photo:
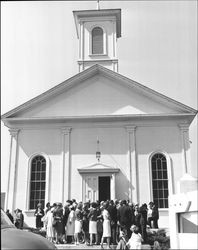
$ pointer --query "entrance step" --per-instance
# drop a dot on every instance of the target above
(83, 246)
(145, 246)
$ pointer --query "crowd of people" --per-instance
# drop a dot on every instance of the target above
(114, 222)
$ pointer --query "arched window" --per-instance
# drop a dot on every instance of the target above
(159, 180)
(97, 41)
(37, 181)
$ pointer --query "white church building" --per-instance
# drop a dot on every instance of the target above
(98, 135)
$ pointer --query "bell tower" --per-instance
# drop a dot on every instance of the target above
(97, 31)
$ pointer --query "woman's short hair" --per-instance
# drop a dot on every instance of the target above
(94, 204)
(79, 206)
(105, 205)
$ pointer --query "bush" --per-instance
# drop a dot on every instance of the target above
(158, 239)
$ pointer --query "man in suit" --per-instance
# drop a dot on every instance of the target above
(113, 215)
(124, 217)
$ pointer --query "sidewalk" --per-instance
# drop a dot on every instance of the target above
(83, 246)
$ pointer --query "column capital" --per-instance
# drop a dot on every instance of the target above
(14, 132)
(66, 130)
(131, 129)
(184, 127)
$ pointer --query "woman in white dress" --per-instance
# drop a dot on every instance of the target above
(78, 223)
(50, 232)
(106, 226)
(93, 213)
(70, 226)
(135, 242)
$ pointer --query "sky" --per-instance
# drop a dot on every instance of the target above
(39, 49)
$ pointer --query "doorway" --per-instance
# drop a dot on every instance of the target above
(104, 188)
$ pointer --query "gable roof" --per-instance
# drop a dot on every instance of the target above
(90, 72)
(98, 168)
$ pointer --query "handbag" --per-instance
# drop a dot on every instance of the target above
(43, 219)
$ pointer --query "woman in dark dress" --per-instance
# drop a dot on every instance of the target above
(85, 223)
(39, 213)
(58, 222)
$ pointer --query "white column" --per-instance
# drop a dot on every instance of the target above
(66, 168)
(80, 40)
(12, 171)
(184, 129)
(82, 43)
(114, 39)
(113, 196)
(133, 192)
(81, 46)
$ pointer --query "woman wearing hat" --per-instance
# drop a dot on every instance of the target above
(39, 213)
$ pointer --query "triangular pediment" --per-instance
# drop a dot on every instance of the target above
(98, 168)
(98, 91)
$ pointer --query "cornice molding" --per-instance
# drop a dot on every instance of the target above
(102, 14)
(98, 60)
(102, 117)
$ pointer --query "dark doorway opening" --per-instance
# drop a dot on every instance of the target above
(104, 188)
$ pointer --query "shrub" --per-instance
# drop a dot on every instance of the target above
(158, 239)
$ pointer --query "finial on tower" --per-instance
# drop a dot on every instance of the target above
(98, 4)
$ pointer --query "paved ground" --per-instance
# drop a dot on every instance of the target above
(83, 246)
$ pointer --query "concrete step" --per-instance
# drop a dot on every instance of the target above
(145, 246)
(83, 246)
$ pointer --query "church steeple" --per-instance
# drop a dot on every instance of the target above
(97, 31)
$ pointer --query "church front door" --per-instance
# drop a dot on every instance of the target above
(91, 188)
(97, 188)
(104, 188)
(98, 182)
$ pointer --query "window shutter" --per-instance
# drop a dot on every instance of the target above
(97, 41)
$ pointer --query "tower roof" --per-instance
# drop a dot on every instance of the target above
(83, 15)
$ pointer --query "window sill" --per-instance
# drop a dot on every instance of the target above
(95, 55)
(163, 209)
